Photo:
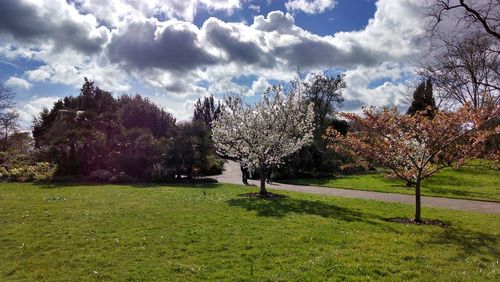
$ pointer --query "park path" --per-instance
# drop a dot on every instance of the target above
(232, 174)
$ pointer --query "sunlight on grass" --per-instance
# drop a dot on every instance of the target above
(475, 181)
(58, 232)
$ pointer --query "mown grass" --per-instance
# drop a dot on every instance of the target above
(475, 182)
(208, 232)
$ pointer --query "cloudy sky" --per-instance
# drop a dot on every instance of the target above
(175, 51)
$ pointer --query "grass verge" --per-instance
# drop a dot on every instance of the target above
(474, 182)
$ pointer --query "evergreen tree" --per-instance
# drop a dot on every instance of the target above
(423, 100)
(206, 110)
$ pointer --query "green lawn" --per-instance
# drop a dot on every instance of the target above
(469, 182)
(144, 233)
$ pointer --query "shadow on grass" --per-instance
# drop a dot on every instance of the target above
(307, 181)
(469, 241)
(282, 207)
(178, 185)
(48, 185)
(54, 185)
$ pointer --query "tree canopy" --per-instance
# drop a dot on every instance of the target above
(125, 136)
(265, 133)
(423, 100)
(414, 147)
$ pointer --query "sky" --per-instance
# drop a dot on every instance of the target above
(176, 51)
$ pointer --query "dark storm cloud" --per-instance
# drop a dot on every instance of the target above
(175, 47)
(28, 23)
(221, 36)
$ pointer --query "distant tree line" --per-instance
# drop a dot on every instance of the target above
(98, 137)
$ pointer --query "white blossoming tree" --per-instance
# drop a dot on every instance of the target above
(265, 133)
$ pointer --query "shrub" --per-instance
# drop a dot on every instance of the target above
(38, 172)
(214, 165)
(351, 168)
(122, 178)
(160, 173)
(100, 175)
(4, 173)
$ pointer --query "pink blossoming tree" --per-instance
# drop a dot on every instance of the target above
(415, 147)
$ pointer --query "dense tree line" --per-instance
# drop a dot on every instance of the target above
(99, 137)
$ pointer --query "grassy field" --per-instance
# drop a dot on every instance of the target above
(144, 233)
(469, 182)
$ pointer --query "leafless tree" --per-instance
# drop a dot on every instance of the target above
(6, 98)
(8, 116)
(464, 65)
(8, 125)
(467, 71)
(472, 14)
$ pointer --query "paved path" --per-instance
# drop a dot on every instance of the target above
(232, 174)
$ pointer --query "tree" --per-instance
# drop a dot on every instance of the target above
(8, 126)
(6, 98)
(206, 110)
(325, 93)
(8, 116)
(265, 133)
(95, 131)
(188, 150)
(465, 66)
(423, 101)
(465, 71)
(414, 147)
(480, 15)
(138, 112)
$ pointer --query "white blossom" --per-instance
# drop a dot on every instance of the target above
(264, 133)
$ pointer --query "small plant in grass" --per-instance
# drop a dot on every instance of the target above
(415, 147)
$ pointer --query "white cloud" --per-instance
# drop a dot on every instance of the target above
(255, 8)
(394, 32)
(181, 61)
(16, 82)
(34, 107)
(310, 6)
(394, 92)
(39, 74)
(113, 12)
(259, 86)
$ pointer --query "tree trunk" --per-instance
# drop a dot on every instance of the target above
(417, 201)
(5, 139)
(263, 191)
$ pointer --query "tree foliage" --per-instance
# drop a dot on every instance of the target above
(127, 137)
(324, 91)
(206, 110)
(413, 146)
(266, 133)
(423, 100)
